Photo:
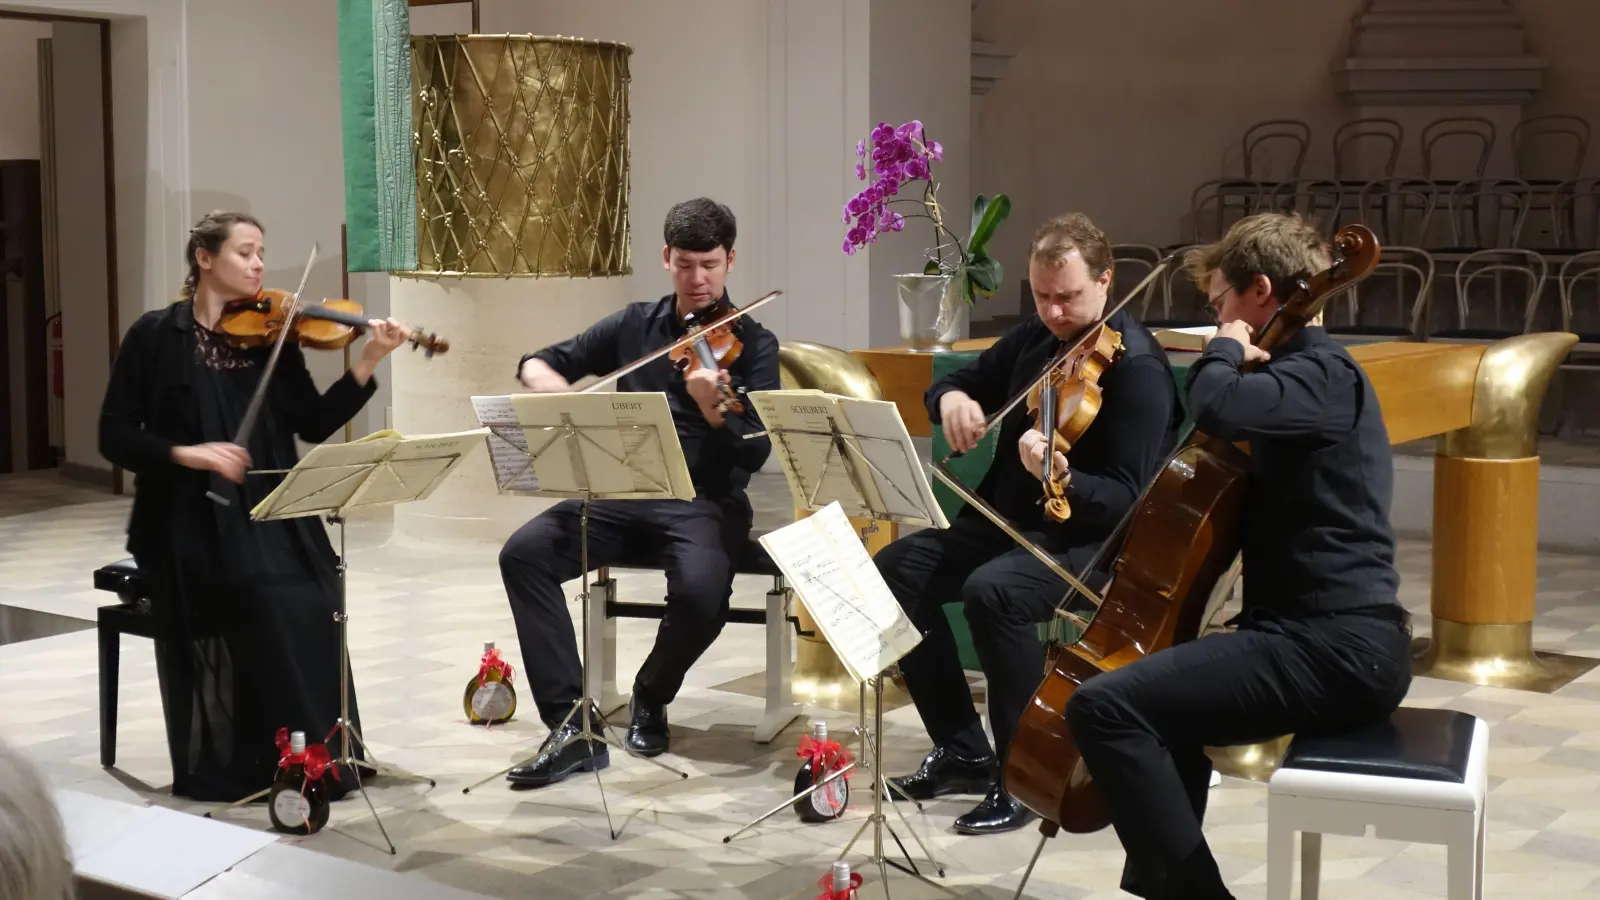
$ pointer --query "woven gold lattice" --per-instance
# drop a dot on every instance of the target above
(521, 155)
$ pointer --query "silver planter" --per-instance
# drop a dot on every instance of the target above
(932, 313)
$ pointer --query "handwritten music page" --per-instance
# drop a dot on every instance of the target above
(382, 468)
(896, 470)
(622, 445)
(507, 443)
(801, 423)
(832, 574)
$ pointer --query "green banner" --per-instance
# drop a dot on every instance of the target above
(380, 185)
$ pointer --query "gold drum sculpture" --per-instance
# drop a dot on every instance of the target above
(521, 149)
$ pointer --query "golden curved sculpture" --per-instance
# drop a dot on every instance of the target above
(521, 150)
(819, 678)
(1484, 579)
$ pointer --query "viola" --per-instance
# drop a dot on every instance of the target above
(713, 346)
(1064, 403)
(1180, 538)
(329, 325)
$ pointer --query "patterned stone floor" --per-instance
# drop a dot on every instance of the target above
(419, 615)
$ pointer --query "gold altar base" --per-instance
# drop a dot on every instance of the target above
(1253, 762)
(1494, 655)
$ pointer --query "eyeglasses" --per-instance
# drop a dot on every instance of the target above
(1214, 305)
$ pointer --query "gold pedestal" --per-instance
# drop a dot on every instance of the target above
(1486, 528)
(1494, 654)
(1255, 762)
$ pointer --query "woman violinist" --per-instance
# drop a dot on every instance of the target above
(245, 609)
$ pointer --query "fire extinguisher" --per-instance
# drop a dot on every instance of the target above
(58, 366)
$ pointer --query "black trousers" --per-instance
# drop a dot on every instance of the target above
(1005, 592)
(697, 542)
(1142, 729)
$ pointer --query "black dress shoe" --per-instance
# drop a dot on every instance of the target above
(997, 814)
(943, 773)
(648, 734)
(580, 755)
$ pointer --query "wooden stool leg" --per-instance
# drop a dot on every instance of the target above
(110, 657)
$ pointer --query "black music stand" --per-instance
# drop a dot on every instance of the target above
(843, 456)
(589, 446)
(382, 469)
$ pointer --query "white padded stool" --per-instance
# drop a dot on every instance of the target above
(1421, 776)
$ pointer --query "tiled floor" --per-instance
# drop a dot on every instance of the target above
(419, 615)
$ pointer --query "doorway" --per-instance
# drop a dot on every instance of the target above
(59, 325)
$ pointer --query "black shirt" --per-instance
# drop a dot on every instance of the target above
(1118, 454)
(720, 460)
(1317, 536)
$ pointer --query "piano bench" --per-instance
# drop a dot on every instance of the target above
(606, 609)
(1420, 776)
(130, 616)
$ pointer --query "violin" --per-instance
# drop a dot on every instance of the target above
(1064, 403)
(1181, 537)
(705, 328)
(329, 325)
(712, 346)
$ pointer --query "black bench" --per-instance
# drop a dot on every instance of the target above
(131, 616)
(1422, 744)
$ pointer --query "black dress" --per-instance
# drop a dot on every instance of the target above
(245, 608)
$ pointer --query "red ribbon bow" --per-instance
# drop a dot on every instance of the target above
(492, 663)
(315, 758)
(825, 756)
(849, 893)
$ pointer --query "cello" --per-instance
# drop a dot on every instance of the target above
(1176, 542)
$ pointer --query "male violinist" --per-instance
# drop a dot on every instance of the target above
(698, 541)
(1004, 590)
(1323, 642)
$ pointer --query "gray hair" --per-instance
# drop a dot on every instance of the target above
(35, 862)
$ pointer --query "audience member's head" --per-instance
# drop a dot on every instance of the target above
(35, 863)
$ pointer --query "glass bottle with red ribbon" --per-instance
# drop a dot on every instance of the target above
(823, 757)
(840, 883)
(490, 699)
(298, 800)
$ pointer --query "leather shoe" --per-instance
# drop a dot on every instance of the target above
(648, 734)
(997, 814)
(943, 772)
(552, 765)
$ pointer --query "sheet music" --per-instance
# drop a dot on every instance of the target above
(896, 470)
(382, 468)
(808, 458)
(627, 444)
(508, 445)
(831, 572)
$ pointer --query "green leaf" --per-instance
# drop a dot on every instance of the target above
(984, 275)
(986, 218)
(931, 267)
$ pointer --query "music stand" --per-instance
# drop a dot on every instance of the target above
(856, 455)
(589, 446)
(382, 469)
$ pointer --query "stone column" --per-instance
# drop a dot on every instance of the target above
(521, 149)
(1416, 61)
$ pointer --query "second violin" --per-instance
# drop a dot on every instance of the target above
(715, 346)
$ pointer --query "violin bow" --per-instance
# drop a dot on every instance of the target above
(251, 412)
(687, 339)
(1068, 351)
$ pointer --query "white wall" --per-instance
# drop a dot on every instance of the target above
(80, 211)
(19, 87)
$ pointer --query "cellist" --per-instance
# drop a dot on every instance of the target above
(1004, 590)
(1322, 642)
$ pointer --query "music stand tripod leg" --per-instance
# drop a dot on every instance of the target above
(585, 707)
